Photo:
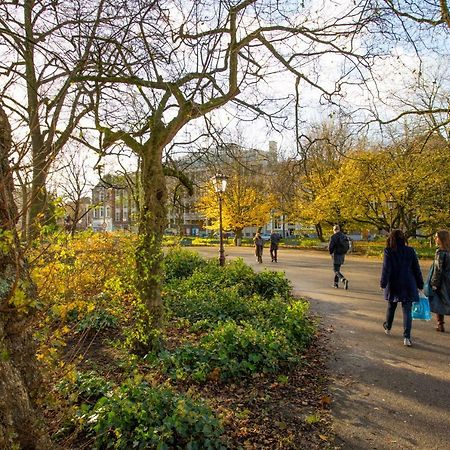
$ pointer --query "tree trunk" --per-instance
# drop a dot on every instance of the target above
(180, 220)
(319, 231)
(19, 375)
(76, 217)
(24, 227)
(149, 256)
(238, 237)
(38, 199)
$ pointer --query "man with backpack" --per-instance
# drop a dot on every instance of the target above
(275, 239)
(338, 247)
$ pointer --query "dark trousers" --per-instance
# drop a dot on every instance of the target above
(407, 317)
(337, 273)
(259, 253)
(274, 251)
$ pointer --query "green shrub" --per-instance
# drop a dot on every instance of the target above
(86, 387)
(236, 275)
(211, 276)
(268, 284)
(98, 320)
(376, 248)
(170, 241)
(205, 241)
(229, 351)
(138, 416)
(297, 324)
(310, 243)
(291, 242)
(237, 272)
(210, 305)
(234, 292)
(179, 264)
(267, 336)
(245, 349)
(253, 323)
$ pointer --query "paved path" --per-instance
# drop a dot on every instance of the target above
(385, 395)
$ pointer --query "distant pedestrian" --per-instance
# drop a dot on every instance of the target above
(401, 279)
(259, 246)
(275, 239)
(338, 247)
(439, 279)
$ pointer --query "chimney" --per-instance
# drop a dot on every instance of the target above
(273, 150)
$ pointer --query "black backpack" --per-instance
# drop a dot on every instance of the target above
(342, 245)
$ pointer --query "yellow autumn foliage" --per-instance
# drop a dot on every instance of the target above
(76, 276)
(243, 206)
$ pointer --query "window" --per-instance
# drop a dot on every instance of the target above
(125, 214)
(117, 214)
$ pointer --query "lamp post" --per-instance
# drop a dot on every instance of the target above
(219, 181)
(391, 204)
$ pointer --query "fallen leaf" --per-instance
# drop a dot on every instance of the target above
(325, 401)
(215, 374)
(281, 425)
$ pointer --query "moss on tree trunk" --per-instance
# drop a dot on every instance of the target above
(19, 375)
(149, 256)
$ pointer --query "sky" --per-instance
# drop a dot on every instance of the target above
(395, 75)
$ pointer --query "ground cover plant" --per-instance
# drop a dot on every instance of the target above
(240, 367)
(253, 324)
(376, 248)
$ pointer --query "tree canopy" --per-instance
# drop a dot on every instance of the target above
(243, 206)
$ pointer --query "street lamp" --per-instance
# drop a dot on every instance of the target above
(391, 204)
(219, 181)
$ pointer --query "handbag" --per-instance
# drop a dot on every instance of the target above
(421, 309)
(427, 290)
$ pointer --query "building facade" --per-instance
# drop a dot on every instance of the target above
(113, 208)
(183, 216)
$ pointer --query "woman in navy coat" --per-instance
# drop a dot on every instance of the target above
(401, 278)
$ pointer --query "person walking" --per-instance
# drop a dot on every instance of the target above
(259, 246)
(338, 247)
(439, 279)
(275, 239)
(401, 279)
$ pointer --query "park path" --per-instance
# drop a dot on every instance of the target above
(385, 395)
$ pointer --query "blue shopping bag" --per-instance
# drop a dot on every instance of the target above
(421, 309)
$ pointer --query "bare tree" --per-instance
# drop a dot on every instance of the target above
(417, 33)
(179, 61)
(75, 188)
(44, 44)
(22, 168)
(429, 13)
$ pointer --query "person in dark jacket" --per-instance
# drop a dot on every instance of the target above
(259, 246)
(275, 239)
(401, 279)
(338, 256)
(440, 279)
